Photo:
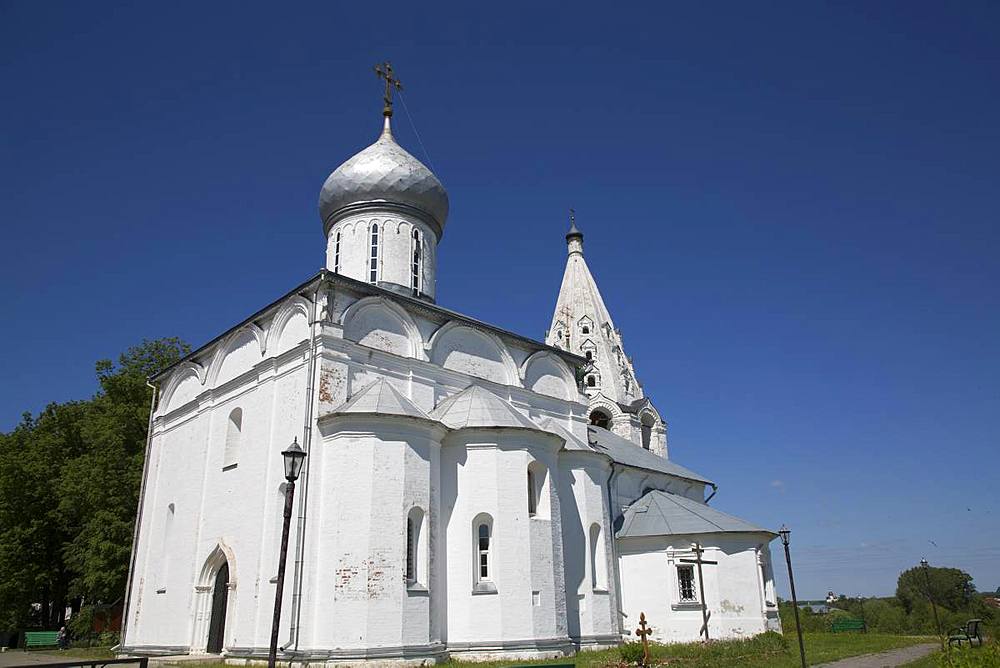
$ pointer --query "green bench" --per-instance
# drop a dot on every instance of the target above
(842, 625)
(40, 639)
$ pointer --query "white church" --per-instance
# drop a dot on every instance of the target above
(467, 492)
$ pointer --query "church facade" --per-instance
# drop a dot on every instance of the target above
(467, 491)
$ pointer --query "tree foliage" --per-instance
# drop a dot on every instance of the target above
(951, 588)
(69, 489)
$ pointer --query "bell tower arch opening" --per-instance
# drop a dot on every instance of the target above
(600, 418)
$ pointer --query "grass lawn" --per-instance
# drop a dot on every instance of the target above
(768, 651)
(763, 651)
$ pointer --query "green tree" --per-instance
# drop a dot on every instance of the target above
(69, 485)
(951, 588)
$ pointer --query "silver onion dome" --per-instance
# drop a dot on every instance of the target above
(384, 173)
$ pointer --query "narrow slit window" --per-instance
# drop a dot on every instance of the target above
(484, 552)
(532, 494)
(234, 429)
(373, 258)
(336, 253)
(411, 552)
(415, 268)
(598, 562)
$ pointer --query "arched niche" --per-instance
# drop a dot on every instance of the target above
(183, 386)
(240, 353)
(546, 374)
(377, 323)
(290, 327)
(466, 350)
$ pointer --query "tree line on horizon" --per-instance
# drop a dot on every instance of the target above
(69, 492)
(909, 612)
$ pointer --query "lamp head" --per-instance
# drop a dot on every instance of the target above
(784, 533)
(294, 457)
(923, 563)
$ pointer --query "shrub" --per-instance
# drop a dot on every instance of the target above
(968, 657)
(631, 652)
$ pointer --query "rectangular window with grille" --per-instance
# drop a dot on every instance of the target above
(685, 584)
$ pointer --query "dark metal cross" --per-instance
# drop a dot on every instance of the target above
(643, 631)
(384, 71)
(705, 614)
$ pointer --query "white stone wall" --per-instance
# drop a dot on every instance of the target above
(734, 588)
(372, 472)
(213, 510)
(591, 596)
(485, 471)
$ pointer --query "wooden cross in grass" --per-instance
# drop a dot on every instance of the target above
(643, 631)
(705, 614)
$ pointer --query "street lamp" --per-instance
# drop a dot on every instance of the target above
(784, 533)
(861, 600)
(927, 579)
(294, 457)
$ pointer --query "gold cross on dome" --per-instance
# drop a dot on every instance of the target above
(384, 71)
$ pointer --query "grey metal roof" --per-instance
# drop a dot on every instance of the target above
(382, 398)
(384, 172)
(624, 451)
(573, 442)
(660, 513)
(475, 406)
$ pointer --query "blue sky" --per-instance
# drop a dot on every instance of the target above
(791, 211)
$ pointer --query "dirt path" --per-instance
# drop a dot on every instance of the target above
(16, 657)
(889, 659)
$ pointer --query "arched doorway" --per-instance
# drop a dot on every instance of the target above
(220, 597)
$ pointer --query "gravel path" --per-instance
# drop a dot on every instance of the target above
(889, 659)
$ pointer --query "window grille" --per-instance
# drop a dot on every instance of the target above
(373, 258)
(336, 253)
(415, 267)
(685, 584)
(484, 552)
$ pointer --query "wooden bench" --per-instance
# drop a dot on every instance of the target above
(40, 639)
(969, 634)
(841, 625)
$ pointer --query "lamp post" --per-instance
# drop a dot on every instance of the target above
(927, 579)
(784, 533)
(293, 457)
(861, 600)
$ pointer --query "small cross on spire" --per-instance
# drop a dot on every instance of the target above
(384, 71)
(573, 231)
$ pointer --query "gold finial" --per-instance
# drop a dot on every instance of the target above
(384, 71)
